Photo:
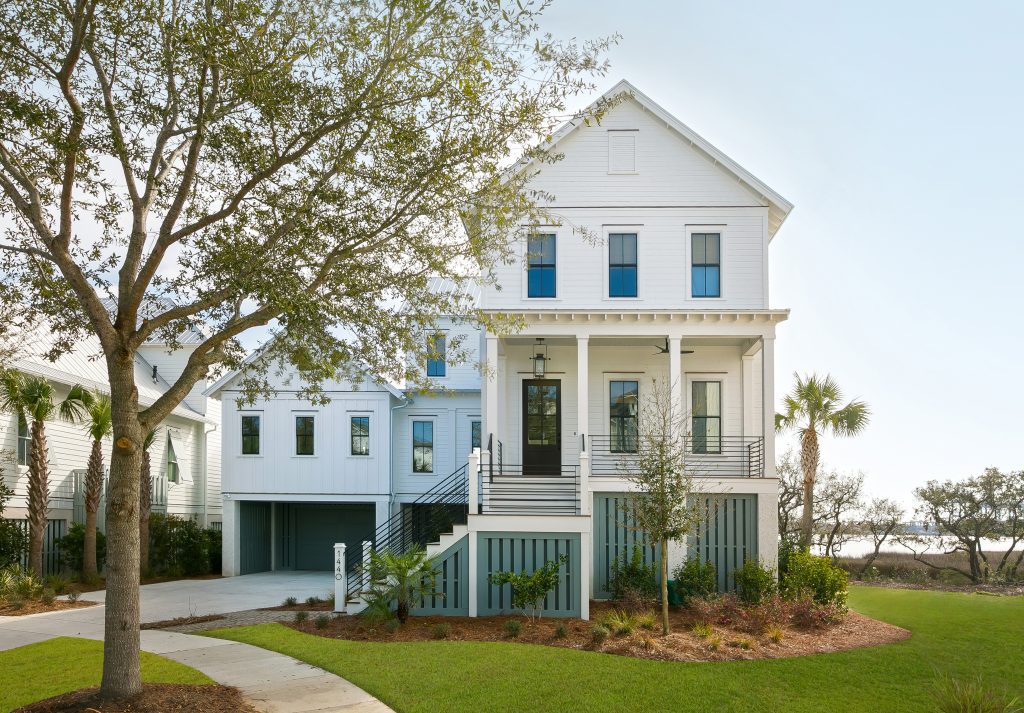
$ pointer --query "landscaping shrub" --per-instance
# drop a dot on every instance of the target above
(214, 549)
(322, 621)
(58, 583)
(702, 630)
(619, 622)
(598, 633)
(561, 631)
(512, 628)
(955, 696)
(441, 631)
(400, 578)
(72, 548)
(647, 620)
(706, 610)
(775, 634)
(808, 614)
(714, 642)
(48, 596)
(530, 589)
(815, 577)
(631, 579)
(178, 546)
(313, 601)
(695, 579)
(754, 583)
(392, 625)
(301, 617)
(13, 540)
(770, 613)
(290, 601)
(17, 585)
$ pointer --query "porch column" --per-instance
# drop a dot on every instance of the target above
(583, 418)
(675, 380)
(750, 417)
(490, 424)
(768, 404)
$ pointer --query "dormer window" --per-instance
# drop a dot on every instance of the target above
(540, 261)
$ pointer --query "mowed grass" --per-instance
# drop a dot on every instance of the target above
(37, 671)
(957, 634)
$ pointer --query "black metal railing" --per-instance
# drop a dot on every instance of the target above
(512, 491)
(416, 524)
(719, 457)
(496, 456)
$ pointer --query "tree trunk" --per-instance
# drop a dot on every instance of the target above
(145, 504)
(664, 587)
(93, 492)
(121, 674)
(38, 497)
(809, 455)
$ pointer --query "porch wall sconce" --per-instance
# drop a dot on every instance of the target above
(540, 358)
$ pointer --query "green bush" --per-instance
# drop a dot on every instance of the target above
(322, 621)
(17, 585)
(529, 589)
(12, 538)
(441, 631)
(513, 627)
(955, 696)
(301, 617)
(214, 548)
(695, 580)
(808, 576)
(754, 583)
(598, 633)
(561, 631)
(72, 548)
(631, 578)
(178, 546)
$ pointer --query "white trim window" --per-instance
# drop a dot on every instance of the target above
(436, 355)
(24, 441)
(706, 415)
(541, 266)
(622, 265)
(422, 446)
(173, 471)
(250, 427)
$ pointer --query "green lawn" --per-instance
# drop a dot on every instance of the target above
(49, 668)
(963, 635)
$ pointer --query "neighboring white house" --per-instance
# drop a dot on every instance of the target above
(185, 454)
(654, 269)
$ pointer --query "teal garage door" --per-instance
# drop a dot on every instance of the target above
(254, 541)
(307, 533)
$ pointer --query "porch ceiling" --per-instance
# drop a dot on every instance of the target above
(654, 340)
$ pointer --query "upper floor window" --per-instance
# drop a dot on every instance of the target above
(706, 410)
(541, 266)
(436, 365)
(475, 435)
(706, 264)
(172, 462)
(24, 442)
(304, 428)
(360, 435)
(623, 410)
(422, 446)
(622, 265)
(250, 435)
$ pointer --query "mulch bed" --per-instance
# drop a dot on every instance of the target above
(181, 621)
(37, 607)
(155, 698)
(302, 606)
(725, 643)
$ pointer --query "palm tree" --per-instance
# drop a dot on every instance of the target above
(813, 409)
(31, 398)
(99, 425)
(145, 503)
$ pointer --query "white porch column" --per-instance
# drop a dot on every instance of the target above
(472, 476)
(340, 578)
(768, 404)
(231, 527)
(583, 418)
(675, 377)
(750, 419)
(490, 424)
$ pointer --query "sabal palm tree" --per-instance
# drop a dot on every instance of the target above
(31, 398)
(813, 408)
(145, 503)
(99, 425)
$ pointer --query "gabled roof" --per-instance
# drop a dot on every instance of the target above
(778, 207)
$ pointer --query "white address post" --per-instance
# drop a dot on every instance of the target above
(340, 578)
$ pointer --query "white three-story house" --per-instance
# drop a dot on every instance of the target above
(652, 273)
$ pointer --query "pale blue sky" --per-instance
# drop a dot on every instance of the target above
(897, 129)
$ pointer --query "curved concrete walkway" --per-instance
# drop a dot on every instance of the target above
(271, 681)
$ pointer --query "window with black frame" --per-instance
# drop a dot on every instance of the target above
(475, 435)
(623, 398)
(622, 280)
(422, 446)
(707, 416)
(304, 430)
(436, 361)
(360, 435)
(540, 260)
(706, 264)
(250, 435)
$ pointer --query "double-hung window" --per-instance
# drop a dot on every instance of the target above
(706, 264)
(24, 442)
(422, 446)
(436, 365)
(360, 435)
(250, 435)
(622, 408)
(172, 462)
(541, 266)
(304, 430)
(622, 265)
(707, 416)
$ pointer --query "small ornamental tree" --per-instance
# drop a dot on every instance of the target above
(215, 166)
(881, 520)
(529, 589)
(662, 479)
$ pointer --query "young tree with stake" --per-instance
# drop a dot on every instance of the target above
(166, 165)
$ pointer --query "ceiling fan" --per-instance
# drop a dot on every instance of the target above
(664, 349)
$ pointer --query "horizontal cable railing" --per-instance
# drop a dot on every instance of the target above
(416, 525)
(718, 457)
(517, 491)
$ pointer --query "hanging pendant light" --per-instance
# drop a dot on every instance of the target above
(540, 358)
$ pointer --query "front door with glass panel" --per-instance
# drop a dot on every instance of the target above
(542, 427)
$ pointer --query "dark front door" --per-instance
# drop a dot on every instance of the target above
(542, 427)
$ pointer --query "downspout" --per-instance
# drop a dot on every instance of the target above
(391, 454)
(206, 474)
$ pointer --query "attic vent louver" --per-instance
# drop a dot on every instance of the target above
(622, 151)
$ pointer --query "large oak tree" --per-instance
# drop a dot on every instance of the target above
(221, 165)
